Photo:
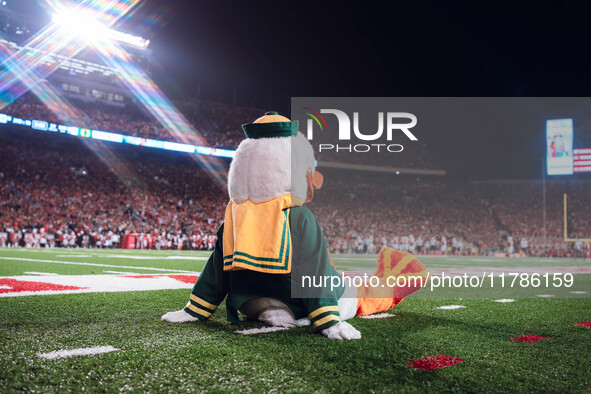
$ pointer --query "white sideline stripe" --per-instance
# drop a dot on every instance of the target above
(545, 295)
(41, 273)
(578, 292)
(121, 273)
(96, 265)
(262, 330)
(86, 351)
(504, 300)
(124, 256)
(451, 307)
(72, 255)
(377, 316)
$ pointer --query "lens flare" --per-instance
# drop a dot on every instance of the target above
(75, 27)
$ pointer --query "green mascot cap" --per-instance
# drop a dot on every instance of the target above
(271, 125)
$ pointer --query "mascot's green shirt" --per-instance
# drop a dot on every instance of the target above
(318, 302)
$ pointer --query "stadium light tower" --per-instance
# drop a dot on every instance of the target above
(83, 23)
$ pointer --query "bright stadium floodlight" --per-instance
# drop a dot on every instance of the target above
(80, 24)
(83, 24)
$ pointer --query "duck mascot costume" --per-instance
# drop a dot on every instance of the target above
(270, 260)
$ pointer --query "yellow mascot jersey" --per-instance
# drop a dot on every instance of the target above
(258, 236)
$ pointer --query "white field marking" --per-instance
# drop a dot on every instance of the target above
(451, 307)
(578, 292)
(545, 295)
(97, 265)
(504, 300)
(377, 316)
(41, 273)
(5, 287)
(124, 256)
(99, 284)
(73, 255)
(262, 330)
(86, 351)
(121, 273)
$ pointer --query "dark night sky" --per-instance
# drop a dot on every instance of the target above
(335, 48)
(269, 51)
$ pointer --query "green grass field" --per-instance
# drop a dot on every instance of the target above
(157, 356)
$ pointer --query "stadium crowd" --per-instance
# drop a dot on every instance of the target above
(73, 198)
(77, 200)
(446, 217)
(216, 123)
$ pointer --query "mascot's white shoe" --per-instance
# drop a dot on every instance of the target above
(178, 317)
(341, 330)
(277, 318)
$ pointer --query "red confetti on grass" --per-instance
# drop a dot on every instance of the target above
(431, 363)
(583, 324)
(529, 338)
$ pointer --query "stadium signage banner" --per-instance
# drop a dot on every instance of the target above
(41, 125)
(559, 146)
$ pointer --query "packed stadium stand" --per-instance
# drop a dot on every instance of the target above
(55, 191)
(219, 124)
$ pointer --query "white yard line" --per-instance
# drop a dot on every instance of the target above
(96, 265)
(377, 316)
(504, 300)
(451, 307)
(262, 330)
(87, 351)
(121, 273)
(124, 256)
(41, 273)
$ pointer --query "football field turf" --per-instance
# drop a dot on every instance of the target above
(152, 355)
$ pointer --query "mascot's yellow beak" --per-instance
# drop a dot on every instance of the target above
(315, 181)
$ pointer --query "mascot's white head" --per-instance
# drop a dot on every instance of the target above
(273, 160)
